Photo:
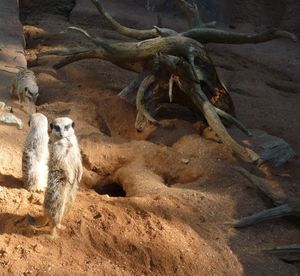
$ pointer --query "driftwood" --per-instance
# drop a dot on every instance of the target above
(171, 64)
(284, 207)
(11, 119)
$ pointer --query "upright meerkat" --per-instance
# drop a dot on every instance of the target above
(25, 88)
(65, 172)
(36, 154)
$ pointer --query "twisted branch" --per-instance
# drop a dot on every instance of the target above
(232, 120)
(285, 207)
(272, 190)
(269, 214)
(129, 32)
(142, 112)
(207, 35)
(213, 120)
(190, 12)
(292, 251)
(203, 33)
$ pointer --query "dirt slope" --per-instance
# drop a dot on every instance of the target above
(174, 220)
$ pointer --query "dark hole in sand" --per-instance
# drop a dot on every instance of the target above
(112, 189)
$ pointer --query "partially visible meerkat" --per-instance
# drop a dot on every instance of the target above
(36, 154)
(24, 87)
(65, 172)
(5, 107)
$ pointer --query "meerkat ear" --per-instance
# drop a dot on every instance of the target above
(73, 125)
(29, 123)
(51, 125)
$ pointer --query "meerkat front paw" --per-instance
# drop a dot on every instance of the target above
(61, 227)
(54, 234)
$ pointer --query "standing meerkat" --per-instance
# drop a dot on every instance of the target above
(25, 88)
(65, 172)
(36, 154)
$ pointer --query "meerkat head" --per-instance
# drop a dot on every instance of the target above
(38, 121)
(62, 127)
(32, 92)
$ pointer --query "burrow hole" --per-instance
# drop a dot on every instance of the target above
(112, 189)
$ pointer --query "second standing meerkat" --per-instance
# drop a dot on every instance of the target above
(65, 172)
(36, 154)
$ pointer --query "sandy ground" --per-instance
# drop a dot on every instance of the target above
(181, 188)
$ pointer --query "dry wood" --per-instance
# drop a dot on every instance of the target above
(170, 57)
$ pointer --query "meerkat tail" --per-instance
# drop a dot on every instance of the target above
(38, 222)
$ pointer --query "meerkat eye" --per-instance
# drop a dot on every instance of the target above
(26, 89)
(57, 128)
(67, 127)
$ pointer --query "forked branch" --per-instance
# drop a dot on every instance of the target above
(291, 252)
(64, 51)
(289, 209)
(215, 123)
(285, 207)
(129, 32)
(208, 35)
(271, 189)
(178, 55)
(200, 32)
(190, 12)
(142, 111)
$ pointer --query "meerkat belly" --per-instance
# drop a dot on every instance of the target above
(54, 200)
(57, 192)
